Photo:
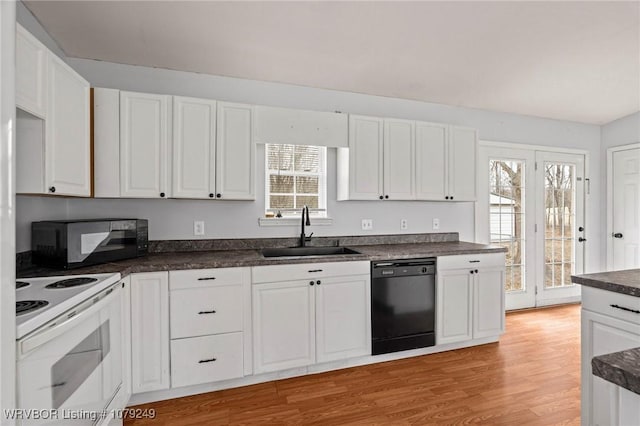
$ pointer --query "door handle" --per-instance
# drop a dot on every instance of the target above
(617, 235)
(581, 240)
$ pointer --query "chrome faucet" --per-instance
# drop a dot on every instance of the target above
(305, 220)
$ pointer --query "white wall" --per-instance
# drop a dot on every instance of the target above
(172, 219)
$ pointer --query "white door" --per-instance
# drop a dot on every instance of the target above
(399, 154)
(149, 331)
(235, 152)
(283, 325)
(454, 292)
(31, 73)
(505, 212)
(67, 135)
(144, 136)
(561, 235)
(343, 317)
(462, 163)
(538, 215)
(431, 161)
(625, 209)
(194, 137)
(365, 158)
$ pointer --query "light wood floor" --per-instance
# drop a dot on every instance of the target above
(532, 377)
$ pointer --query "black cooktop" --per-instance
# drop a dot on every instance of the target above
(72, 282)
(26, 306)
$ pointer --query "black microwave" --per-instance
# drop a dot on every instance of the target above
(68, 244)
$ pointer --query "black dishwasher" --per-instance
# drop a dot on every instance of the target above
(403, 304)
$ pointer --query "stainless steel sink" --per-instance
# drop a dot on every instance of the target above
(307, 251)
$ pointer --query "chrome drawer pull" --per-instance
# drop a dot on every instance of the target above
(474, 261)
(206, 279)
(206, 312)
(202, 361)
(625, 309)
(315, 270)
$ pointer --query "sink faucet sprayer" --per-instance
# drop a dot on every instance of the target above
(303, 237)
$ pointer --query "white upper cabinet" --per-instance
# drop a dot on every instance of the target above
(235, 152)
(360, 168)
(409, 160)
(67, 136)
(144, 136)
(445, 162)
(462, 164)
(399, 153)
(53, 141)
(194, 137)
(431, 161)
(31, 73)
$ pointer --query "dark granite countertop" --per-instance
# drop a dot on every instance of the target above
(625, 282)
(621, 368)
(172, 261)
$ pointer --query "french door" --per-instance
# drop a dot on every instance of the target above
(532, 203)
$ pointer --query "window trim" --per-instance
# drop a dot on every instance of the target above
(317, 214)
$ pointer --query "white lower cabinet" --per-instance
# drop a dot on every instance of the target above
(605, 329)
(343, 315)
(149, 332)
(210, 325)
(315, 319)
(283, 325)
(206, 359)
(470, 297)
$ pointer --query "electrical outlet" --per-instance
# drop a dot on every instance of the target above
(404, 224)
(436, 224)
(367, 224)
(198, 227)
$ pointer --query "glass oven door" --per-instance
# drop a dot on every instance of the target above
(75, 364)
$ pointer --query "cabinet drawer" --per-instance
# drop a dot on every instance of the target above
(470, 261)
(201, 311)
(206, 277)
(276, 273)
(206, 359)
(600, 301)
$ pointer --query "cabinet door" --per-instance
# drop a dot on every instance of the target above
(462, 163)
(31, 73)
(144, 130)
(454, 292)
(365, 158)
(343, 317)
(399, 147)
(67, 134)
(194, 133)
(488, 302)
(149, 332)
(431, 161)
(283, 325)
(235, 153)
(601, 335)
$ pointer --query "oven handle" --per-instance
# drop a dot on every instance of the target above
(85, 309)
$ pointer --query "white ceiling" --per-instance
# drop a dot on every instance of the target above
(577, 61)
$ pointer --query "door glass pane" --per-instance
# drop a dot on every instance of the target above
(506, 216)
(559, 236)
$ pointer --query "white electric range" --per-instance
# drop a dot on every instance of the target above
(69, 346)
(40, 300)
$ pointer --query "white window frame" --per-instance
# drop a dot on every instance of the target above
(321, 211)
